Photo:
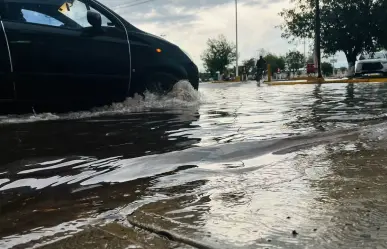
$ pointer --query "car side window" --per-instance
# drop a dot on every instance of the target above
(77, 11)
(71, 14)
(32, 16)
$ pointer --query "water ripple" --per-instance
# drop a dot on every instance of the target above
(234, 164)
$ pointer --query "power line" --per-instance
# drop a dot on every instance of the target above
(133, 3)
(146, 1)
(126, 4)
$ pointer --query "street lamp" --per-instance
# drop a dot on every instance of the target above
(236, 36)
(318, 39)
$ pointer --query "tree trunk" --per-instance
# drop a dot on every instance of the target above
(351, 59)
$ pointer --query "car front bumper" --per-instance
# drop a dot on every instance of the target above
(192, 74)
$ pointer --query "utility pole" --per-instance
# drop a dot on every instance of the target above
(236, 35)
(318, 38)
(304, 49)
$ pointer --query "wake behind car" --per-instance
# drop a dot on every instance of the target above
(373, 63)
(62, 55)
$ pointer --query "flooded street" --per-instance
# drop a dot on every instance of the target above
(233, 166)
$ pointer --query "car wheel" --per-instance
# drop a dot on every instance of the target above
(357, 75)
(160, 83)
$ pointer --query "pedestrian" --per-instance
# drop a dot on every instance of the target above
(261, 66)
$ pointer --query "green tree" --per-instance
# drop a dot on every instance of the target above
(294, 60)
(348, 26)
(327, 68)
(276, 62)
(219, 54)
(249, 64)
(343, 69)
(380, 17)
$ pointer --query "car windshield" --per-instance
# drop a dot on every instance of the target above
(378, 55)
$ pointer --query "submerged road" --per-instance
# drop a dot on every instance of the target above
(231, 166)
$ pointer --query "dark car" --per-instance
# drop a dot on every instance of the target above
(61, 55)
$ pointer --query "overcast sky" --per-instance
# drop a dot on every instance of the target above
(189, 23)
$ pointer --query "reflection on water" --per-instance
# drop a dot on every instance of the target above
(237, 166)
(45, 170)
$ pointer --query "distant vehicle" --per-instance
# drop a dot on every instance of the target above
(373, 63)
(61, 55)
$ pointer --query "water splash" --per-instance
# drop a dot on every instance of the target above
(182, 95)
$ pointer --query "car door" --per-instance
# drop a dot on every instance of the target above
(58, 57)
(6, 85)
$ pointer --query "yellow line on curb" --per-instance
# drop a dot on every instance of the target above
(231, 81)
(314, 81)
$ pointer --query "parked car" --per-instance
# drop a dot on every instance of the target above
(61, 55)
(373, 63)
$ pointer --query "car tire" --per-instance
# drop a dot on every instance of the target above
(357, 75)
(160, 83)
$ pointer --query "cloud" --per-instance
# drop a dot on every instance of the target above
(189, 23)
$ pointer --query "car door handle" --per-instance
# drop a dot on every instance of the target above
(20, 42)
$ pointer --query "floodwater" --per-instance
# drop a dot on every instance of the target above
(232, 166)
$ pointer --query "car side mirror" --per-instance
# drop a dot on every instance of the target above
(94, 18)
